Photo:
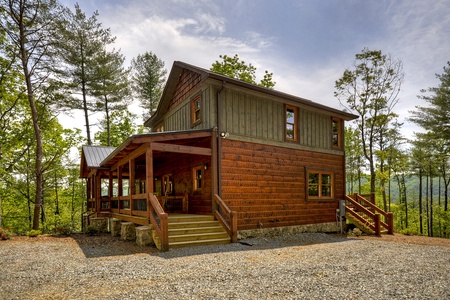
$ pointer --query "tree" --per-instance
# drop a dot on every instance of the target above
(238, 69)
(30, 25)
(121, 127)
(370, 90)
(353, 159)
(110, 86)
(148, 81)
(435, 118)
(82, 41)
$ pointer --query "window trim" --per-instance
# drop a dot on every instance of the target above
(195, 180)
(295, 124)
(338, 133)
(320, 186)
(194, 110)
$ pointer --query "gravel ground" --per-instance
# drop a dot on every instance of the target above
(302, 266)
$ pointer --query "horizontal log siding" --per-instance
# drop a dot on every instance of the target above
(266, 184)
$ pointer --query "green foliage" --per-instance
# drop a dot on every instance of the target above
(435, 117)
(148, 81)
(122, 126)
(409, 231)
(81, 47)
(64, 229)
(34, 233)
(235, 68)
(92, 230)
(5, 233)
(370, 91)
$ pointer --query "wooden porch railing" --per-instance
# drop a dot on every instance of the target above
(226, 217)
(159, 219)
(369, 214)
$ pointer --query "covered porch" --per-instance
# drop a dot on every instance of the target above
(152, 175)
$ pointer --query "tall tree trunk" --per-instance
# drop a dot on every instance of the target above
(420, 202)
(405, 200)
(427, 209)
(430, 231)
(37, 130)
(108, 125)
(84, 94)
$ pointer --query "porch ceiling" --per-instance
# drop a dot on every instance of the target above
(191, 139)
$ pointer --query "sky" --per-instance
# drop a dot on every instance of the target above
(306, 44)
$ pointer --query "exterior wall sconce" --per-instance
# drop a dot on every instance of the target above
(224, 135)
(205, 166)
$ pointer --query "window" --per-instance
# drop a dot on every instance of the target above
(291, 123)
(198, 178)
(320, 185)
(196, 110)
(336, 137)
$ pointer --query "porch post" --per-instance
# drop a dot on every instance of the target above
(110, 186)
(149, 169)
(132, 177)
(119, 187)
(120, 183)
(97, 191)
(215, 187)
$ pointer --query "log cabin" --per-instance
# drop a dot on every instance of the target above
(247, 157)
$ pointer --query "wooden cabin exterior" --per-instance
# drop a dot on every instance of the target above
(254, 157)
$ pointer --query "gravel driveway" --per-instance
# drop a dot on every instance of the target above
(302, 266)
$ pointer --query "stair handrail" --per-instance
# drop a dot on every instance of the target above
(371, 215)
(159, 220)
(389, 216)
(226, 217)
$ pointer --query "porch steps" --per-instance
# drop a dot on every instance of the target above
(363, 226)
(193, 230)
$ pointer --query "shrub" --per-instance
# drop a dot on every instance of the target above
(5, 233)
(34, 233)
(409, 231)
(92, 230)
(357, 232)
(64, 230)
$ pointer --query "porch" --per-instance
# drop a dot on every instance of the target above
(151, 176)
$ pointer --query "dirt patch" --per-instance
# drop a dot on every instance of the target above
(92, 246)
(409, 239)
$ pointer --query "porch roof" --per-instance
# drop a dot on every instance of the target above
(92, 156)
(131, 146)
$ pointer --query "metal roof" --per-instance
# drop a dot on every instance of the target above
(94, 155)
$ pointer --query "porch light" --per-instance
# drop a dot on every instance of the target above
(205, 165)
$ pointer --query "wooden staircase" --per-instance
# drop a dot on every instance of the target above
(365, 215)
(193, 230)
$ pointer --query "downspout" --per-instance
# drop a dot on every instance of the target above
(219, 139)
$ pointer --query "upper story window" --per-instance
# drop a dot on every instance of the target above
(196, 110)
(320, 185)
(336, 133)
(291, 123)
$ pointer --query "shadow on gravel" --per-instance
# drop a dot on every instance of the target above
(105, 245)
(261, 244)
